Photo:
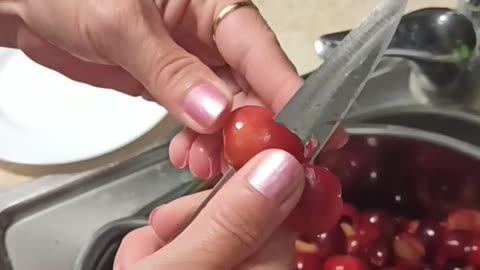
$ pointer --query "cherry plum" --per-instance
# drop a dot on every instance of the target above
(380, 219)
(379, 252)
(344, 262)
(251, 130)
(320, 206)
(357, 167)
(353, 247)
(349, 214)
(429, 232)
(307, 261)
(464, 219)
(454, 243)
(473, 252)
(332, 242)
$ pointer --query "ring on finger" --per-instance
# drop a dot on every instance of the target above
(228, 10)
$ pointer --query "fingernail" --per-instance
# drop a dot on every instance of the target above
(277, 175)
(152, 215)
(214, 167)
(117, 267)
(205, 104)
(185, 162)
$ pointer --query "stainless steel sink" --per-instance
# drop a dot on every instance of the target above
(45, 224)
(391, 99)
(454, 123)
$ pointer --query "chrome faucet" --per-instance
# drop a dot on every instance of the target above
(471, 9)
(439, 43)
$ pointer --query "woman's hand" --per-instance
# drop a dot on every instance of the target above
(162, 50)
(239, 229)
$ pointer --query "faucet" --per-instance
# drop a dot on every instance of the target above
(440, 44)
(471, 9)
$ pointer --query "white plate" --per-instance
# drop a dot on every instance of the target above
(46, 118)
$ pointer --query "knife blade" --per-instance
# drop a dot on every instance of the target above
(330, 91)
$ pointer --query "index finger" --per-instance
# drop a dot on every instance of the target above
(250, 47)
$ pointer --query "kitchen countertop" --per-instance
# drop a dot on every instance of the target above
(296, 23)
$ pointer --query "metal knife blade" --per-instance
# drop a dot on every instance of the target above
(332, 108)
(330, 91)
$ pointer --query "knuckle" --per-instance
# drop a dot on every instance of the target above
(238, 225)
(251, 53)
(169, 68)
(106, 20)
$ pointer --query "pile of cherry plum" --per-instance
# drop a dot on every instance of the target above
(415, 209)
(374, 239)
(414, 201)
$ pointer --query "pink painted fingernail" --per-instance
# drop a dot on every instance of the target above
(205, 104)
(185, 162)
(152, 215)
(214, 166)
(277, 175)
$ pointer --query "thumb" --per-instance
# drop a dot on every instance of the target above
(176, 79)
(242, 216)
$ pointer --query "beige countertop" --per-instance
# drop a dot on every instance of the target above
(297, 23)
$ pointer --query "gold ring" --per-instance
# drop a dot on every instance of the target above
(227, 10)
